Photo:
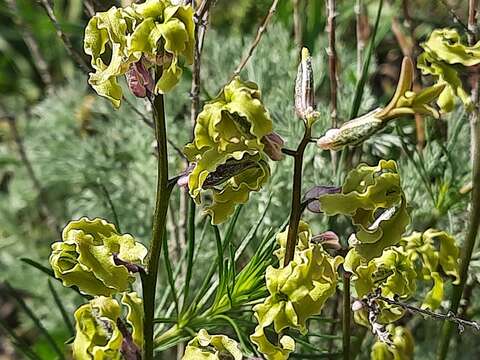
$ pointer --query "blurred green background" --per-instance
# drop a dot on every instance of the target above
(65, 153)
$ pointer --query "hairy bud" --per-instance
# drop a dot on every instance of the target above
(304, 88)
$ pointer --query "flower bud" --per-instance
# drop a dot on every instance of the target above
(273, 146)
(92, 257)
(304, 88)
(212, 347)
(139, 80)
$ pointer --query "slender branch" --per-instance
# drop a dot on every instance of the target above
(260, 31)
(332, 61)
(456, 18)
(45, 4)
(474, 220)
(461, 323)
(297, 25)
(37, 56)
(200, 29)
(362, 32)
(203, 9)
(164, 188)
(346, 318)
(296, 207)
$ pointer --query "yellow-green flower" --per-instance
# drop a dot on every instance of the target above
(297, 292)
(402, 347)
(99, 330)
(86, 257)
(228, 150)
(372, 196)
(154, 33)
(432, 251)
(212, 347)
(443, 54)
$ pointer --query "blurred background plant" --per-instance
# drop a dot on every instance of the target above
(65, 154)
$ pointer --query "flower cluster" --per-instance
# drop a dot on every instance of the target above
(99, 261)
(102, 334)
(139, 37)
(297, 291)
(433, 252)
(233, 139)
(373, 198)
(404, 102)
(212, 347)
(443, 53)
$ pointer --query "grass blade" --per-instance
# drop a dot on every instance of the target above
(18, 342)
(63, 312)
(190, 251)
(35, 319)
(357, 100)
(50, 273)
(110, 205)
(168, 268)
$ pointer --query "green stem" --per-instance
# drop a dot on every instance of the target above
(149, 281)
(474, 223)
(296, 209)
(346, 315)
(190, 251)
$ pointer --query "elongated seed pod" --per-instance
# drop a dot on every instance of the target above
(352, 132)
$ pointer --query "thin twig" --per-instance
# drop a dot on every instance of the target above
(450, 316)
(456, 18)
(474, 218)
(200, 30)
(65, 40)
(38, 60)
(362, 32)
(297, 25)
(332, 61)
(346, 315)
(410, 51)
(203, 8)
(260, 31)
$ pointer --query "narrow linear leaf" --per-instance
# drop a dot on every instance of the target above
(50, 273)
(18, 342)
(168, 268)
(61, 308)
(38, 324)
(190, 251)
(359, 89)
